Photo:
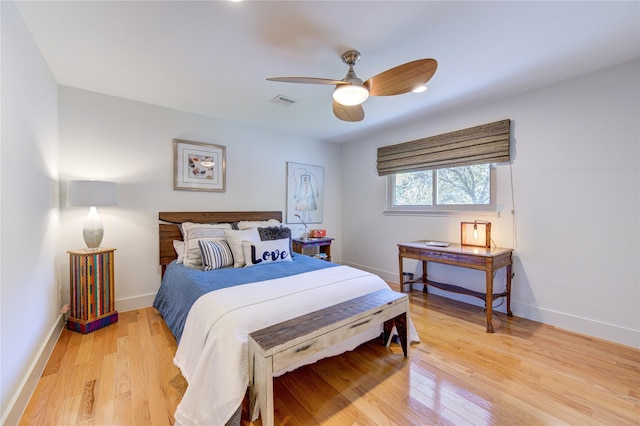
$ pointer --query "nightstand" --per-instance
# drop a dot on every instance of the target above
(92, 296)
(323, 244)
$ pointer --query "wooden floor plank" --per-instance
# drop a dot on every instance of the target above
(526, 373)
(105, 400)
(138, 374)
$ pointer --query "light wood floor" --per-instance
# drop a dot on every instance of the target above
(524, 374)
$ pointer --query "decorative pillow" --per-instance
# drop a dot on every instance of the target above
(246, 224)
(276, 233)
(235, 238)
(215, 254)
(194, 232)
(225, 224)
(265, 252)
(178, 246)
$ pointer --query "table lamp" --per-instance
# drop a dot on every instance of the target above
(476, 233)
(91, 193)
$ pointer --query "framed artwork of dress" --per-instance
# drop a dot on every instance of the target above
(305, 193)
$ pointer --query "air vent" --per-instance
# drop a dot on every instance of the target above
(282, 100)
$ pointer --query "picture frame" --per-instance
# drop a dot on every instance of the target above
(305, 193)
(199, 166)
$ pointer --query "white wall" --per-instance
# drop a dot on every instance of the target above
(576, 184)
(131, 143)
(29, 222)
(575, 168)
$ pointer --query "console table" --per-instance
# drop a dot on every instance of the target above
(479, 258)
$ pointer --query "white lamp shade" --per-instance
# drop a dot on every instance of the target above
(87, 193)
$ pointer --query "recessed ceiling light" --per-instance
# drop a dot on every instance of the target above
(420, 89)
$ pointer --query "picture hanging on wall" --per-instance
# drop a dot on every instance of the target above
(198, 166)
(305, 193)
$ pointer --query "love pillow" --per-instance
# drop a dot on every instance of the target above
(265, 252)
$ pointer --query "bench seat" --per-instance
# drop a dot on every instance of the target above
(274, 348)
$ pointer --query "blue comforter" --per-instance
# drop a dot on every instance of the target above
(182, 286)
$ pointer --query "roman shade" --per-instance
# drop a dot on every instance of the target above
(487, 143)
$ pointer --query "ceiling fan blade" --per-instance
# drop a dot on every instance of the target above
(403, 78)
(307, 80)
(348, 113)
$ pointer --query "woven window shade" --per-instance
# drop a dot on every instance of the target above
(487, 143)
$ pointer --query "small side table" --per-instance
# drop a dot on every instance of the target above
(92, 296)
(323, 244)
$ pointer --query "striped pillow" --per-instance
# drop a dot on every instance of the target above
(215, 254)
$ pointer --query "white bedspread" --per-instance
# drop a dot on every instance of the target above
(212, 354)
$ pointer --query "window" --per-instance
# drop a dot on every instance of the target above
(466, 188)
(446, 173)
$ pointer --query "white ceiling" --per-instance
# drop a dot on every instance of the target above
(212, 57)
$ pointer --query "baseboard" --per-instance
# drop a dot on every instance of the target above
(589, 327)
(387, 276)
(20, 400)
(136, 302)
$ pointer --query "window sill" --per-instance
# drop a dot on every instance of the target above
(441, 213)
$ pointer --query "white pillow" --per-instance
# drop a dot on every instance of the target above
(235, 239)
(264, 252)
(215, 254)
(194, 232)
(178, 246)
(246, 224)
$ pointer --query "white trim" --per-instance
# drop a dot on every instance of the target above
(443, 213)
(135, 302)
(20, 400)
(385, 275)
(587, 326)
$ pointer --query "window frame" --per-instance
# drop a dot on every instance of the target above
(443, 208)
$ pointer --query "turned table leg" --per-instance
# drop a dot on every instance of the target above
(509, 274)
(401, 270)
(489, 300)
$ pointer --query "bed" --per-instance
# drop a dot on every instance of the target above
(211, 312)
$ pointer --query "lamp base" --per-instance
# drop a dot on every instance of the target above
(92, 230)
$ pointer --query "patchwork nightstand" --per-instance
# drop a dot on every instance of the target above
(92, 296)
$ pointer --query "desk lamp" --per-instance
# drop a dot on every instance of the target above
(476, 233)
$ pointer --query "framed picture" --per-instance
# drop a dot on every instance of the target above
(198, 166)
(305, 193)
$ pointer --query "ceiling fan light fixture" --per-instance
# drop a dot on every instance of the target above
(350, 94)
(420, 89)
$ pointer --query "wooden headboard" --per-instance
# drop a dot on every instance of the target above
(169, 230)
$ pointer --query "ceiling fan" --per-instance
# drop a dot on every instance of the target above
(351, 92)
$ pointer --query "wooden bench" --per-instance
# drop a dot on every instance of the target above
(281, 345)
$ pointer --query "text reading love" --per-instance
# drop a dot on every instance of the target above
(268, 255)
